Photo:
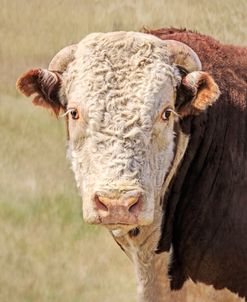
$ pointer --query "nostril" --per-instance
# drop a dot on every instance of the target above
(135, 207)
(99, 204)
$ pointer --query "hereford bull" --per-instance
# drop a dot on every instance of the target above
(154, 161)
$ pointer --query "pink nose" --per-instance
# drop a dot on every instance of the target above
(123, 210)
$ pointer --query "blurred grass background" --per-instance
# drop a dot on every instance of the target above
(47, 253)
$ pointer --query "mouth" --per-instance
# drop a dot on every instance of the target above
(120, 222)
(117, 220)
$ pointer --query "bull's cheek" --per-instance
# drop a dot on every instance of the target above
(76, 166)
(146, 216)
(163, 167)
(88, 208)
(88, 211)
(163, 160)
(147, 211)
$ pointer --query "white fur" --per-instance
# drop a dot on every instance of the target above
(120, 82)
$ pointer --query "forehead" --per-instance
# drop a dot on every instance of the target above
(121, 69)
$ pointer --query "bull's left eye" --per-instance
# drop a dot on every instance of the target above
(166, 114)
(74, 114)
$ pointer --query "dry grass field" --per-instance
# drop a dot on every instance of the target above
(47, 253)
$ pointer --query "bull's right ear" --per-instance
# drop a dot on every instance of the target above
(197, 92)
(44, 84)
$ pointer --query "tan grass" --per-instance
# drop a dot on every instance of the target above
(31, 31)
(46, 252)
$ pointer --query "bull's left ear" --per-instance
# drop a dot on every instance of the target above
(200, 91)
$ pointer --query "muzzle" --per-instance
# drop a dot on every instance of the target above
(119, 209)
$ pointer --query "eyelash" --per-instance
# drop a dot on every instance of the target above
(168, 110)
(73, 112)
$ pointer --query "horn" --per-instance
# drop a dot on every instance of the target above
(183, 55)
(63, 58)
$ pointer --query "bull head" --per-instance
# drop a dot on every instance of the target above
(123, 93)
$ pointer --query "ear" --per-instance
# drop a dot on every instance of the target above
(45, 85)
(198, 91)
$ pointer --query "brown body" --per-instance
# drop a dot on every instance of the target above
(205, 209)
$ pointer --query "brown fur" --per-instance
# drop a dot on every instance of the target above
(45, 84)
(205, 209)
(201, 91)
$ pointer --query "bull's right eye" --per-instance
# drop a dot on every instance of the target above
(74, 114)
(166, 114)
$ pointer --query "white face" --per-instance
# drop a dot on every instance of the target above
(121, 89)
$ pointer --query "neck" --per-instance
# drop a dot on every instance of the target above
(150, 268)
(151, 275)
